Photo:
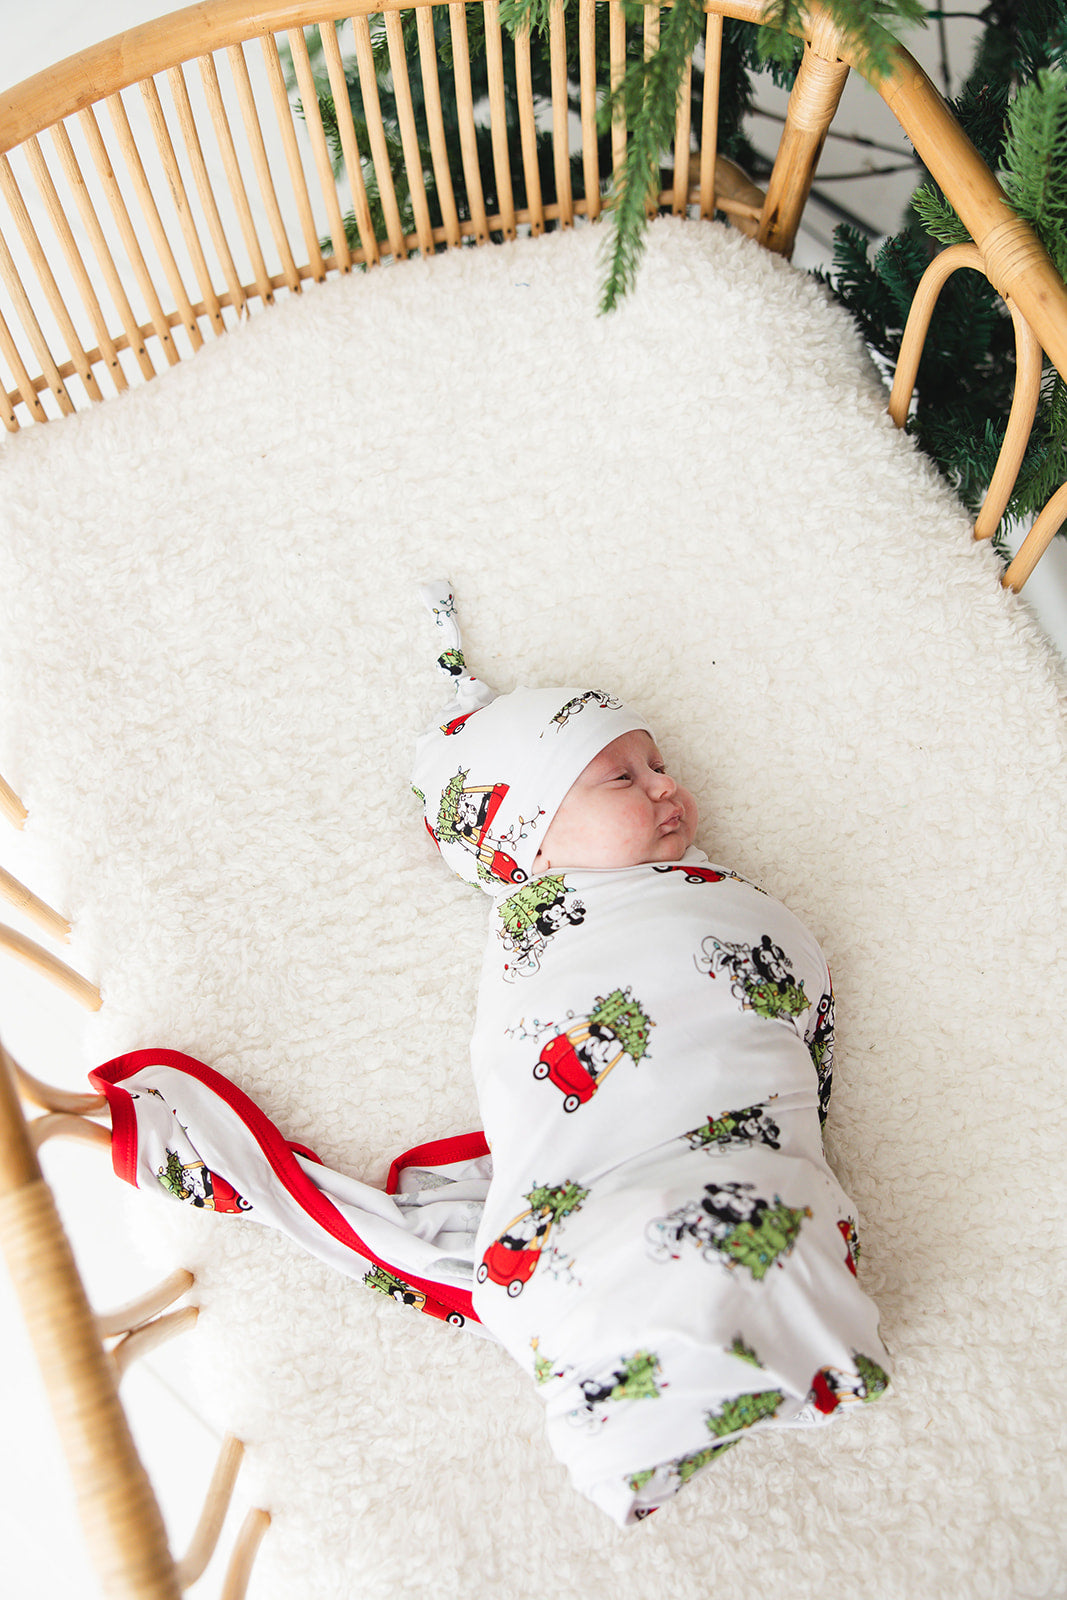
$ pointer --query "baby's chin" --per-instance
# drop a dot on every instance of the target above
(670, 848)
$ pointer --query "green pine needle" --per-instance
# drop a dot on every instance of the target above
(939, 216)
(1035, 161)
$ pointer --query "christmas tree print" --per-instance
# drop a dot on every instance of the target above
(743, 1412)
(745, 1352)
(171, 1177)
(674, 1474)
(447, 817)
(544, 1369)
(385, 1282)
(637, 1380)
(758, 1246)
(730, 1222)
(520, 910)
(623, 1015)
(750, 1126)
(761, 975)
(875, 1379)
(452, 662)
(557, 1201)
(531, 917)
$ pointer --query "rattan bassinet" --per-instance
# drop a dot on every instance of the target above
(209, 231)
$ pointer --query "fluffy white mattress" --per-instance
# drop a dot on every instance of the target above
(214, 663)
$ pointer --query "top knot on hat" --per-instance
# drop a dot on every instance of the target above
(493, 769)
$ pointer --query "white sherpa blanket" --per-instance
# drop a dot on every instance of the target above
(213, 666)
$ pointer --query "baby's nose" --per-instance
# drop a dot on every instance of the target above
(663, 785)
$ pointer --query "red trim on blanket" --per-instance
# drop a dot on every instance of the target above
(108, 1079)
(438, 1153)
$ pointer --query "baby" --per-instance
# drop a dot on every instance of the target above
(647, 1222)
(663, 1246)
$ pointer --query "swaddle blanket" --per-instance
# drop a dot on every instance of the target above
(664, 1247)
(647, 1221)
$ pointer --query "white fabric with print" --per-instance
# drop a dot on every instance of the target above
(664, 1247)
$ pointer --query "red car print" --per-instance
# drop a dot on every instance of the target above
(508, 1267)
(695, 874)
(561, 1063)
(434, 1308)
(456, 725)
(472, 831)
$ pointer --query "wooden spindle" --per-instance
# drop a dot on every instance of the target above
(528, 133)
(124, 1318)
(8, 403)
(431, 96)
(216, 1505)
(246, 100)
(680, 196)
(209, 78)
(17, 894)
(1037, 541)
(176, 183)
(650, 44)
(498, 118)
(709, 120)
(309, 100)
(42, 961)
(372, 114)
(25, 391)
(409, 137)
(617, 65)
(46, 188)
(298, 182)
(48, 1098)
(149, 1337)
(9, 276)
(194, 149)
(11, 806)
(131, 155)
(1027, 392)
(117, 206)
(83, 200)
(39, 261)
(235, 1583)
(68, 1125)
(587, 95)
(468, 143)
(561, 150)
(349, 143)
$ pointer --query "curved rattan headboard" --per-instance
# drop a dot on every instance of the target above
(132, 316)
(189, 226)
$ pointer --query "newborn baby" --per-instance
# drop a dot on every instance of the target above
(647, 1222)
(663, 1247)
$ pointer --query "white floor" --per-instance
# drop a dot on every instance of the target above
(44, 1032)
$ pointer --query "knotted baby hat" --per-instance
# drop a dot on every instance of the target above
(492, 770)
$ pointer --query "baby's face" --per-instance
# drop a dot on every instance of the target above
(623, 810)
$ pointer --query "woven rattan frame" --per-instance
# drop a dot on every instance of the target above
(178, 280)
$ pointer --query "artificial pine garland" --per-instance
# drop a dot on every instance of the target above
(1013, 108)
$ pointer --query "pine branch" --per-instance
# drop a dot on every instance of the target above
(938, 216)
(1035, 161)
(648, 96)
